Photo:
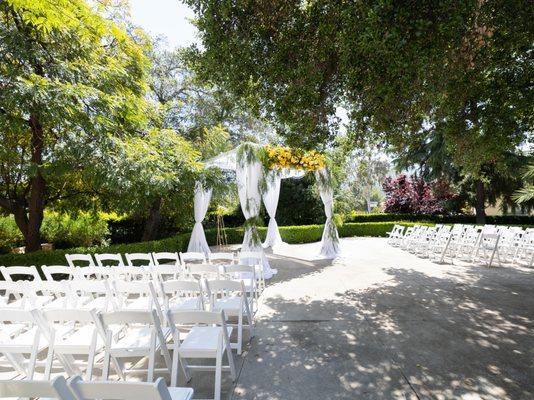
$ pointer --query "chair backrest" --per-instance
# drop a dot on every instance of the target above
(67, 315)
(176, 286)
(138, 259)
(87, 273)
(222, 258)
(203, 270)
(166, 258)
(109, 259)
(125, 317)
(25, 272)
(194, 317)
(192, 256)
(50, 272)
(54, 389)
(80, 260)
(112, 390)
(16, 315)
(237, 271)
(17, 289)
(130, 273)
(224, 286)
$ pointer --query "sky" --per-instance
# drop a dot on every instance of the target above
(170, 18)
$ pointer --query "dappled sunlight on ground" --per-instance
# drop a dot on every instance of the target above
(379, 323)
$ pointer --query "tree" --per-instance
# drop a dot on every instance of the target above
(399, 68)
(69, 80)
(415, 196)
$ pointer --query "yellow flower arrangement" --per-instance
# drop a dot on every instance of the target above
(284, 157)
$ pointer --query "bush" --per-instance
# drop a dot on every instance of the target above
(10, 235)
(525, 220)
(82, 230)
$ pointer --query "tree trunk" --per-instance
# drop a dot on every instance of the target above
(37, 188)
(480, 201)
(153, 221)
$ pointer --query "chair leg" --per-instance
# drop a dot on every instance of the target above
(33, 356)
(240, 333)
(91, 357)
(151, 357)
(218, 370)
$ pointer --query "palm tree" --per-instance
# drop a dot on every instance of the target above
(526, 193)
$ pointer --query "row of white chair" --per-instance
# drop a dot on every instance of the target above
(156, 258)
(469, 243)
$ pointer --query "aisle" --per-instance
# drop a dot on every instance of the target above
(383, 324)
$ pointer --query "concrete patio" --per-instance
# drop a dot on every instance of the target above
(383, 324)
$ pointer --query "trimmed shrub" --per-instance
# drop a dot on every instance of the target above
(441, 219)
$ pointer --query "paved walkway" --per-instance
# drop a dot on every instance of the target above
(383, 324)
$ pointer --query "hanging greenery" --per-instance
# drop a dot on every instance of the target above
(279, 157)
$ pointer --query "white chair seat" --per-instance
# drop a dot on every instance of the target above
(140, 303)
(12, 329)
(180, 393)
(137, 338)
(88, 303)
(78, 341)
(184, 303)
(202, 341)
(20, 343)
(19, 303)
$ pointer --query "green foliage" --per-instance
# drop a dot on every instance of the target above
(70, 80)
(526, 194)
(81, 230)
(299, 202)
(10, 235)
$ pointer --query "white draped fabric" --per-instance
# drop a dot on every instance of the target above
(248, 176)
(270, 199)
(330, 239)
(198, 242)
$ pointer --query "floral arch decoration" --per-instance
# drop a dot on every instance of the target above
(259, 171)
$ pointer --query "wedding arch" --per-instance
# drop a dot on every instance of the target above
(259, 171)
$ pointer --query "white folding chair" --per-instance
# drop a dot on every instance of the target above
(191, 257)
(138, 334)
(28, 342)
(247, 275)
(207, 337)
(222, 258)
(254, 258)
(55, 272)
(181, 295)
(139, 259)
(231, 297)
(55, 389)
(71, 332)
(109, 259)
(80, 260)
(107, 390)
(488, 248)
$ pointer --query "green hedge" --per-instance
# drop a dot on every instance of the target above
(290, 234)
(441, 219)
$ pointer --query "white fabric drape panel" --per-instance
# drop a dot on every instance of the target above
(248, 175)
(270, 200)
(198, 242)
(330, 238)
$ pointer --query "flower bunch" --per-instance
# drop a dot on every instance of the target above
(285, 157)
